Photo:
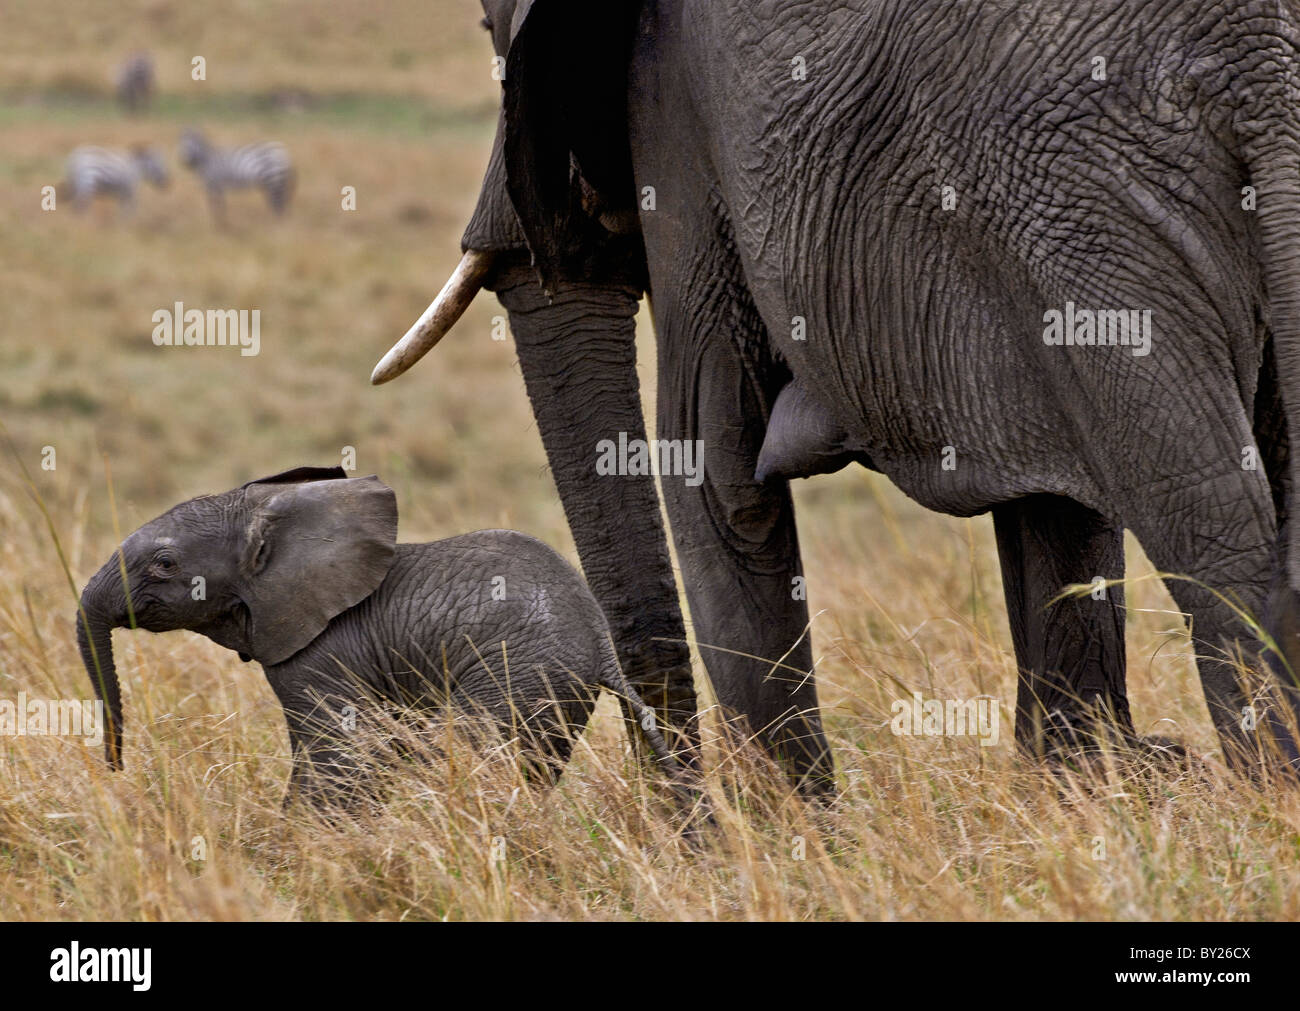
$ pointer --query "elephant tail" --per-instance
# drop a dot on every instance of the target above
(1268, 129)
(613, 679)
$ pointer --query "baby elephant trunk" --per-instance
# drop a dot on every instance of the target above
(103, 608)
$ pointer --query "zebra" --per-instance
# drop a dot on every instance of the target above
(94, 171)
(135, 82)
(265, 165)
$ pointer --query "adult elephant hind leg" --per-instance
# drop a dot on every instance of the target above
(1069, 649)
(1283, 615)
(1269, 140)
(1282, 711)
(1219, 563)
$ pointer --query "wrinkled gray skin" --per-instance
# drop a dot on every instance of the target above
(822, 199)
(577, 353)
(302, 574)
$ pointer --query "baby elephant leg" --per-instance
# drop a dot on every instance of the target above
(547, 716)
(543, 715)
(326, 769)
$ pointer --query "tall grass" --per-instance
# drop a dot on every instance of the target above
(924, 828)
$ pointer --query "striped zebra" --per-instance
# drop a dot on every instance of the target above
(97, 171)
(135, 82)
(264, 165)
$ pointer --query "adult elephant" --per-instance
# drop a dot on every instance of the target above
(863, 243)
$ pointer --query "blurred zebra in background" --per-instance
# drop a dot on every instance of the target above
(98, 171)
(264, 165)
(135, 82)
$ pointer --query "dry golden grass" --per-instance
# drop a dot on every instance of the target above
(903, 599)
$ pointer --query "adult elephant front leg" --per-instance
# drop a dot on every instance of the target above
(577, 352)
(1070, 650)
(737, 545)
(569, 69)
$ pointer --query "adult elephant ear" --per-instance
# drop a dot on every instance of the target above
(567, 154)
(312, 549)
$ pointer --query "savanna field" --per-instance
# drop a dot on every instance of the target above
(401, 105)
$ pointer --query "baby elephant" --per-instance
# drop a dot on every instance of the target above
(302, 573)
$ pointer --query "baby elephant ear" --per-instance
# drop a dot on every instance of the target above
(312, 550)
(299, 474)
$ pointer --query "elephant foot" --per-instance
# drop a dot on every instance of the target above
(1078, 730)
(1161, 749)
(1093, 736)
(1134, 758)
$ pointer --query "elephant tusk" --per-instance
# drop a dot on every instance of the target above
(441, 316)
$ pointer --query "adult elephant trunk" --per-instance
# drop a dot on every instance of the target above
(103, 608)
(577, 352)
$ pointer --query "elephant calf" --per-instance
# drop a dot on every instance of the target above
(302, 573)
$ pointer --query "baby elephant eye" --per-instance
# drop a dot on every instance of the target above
(165, 565)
